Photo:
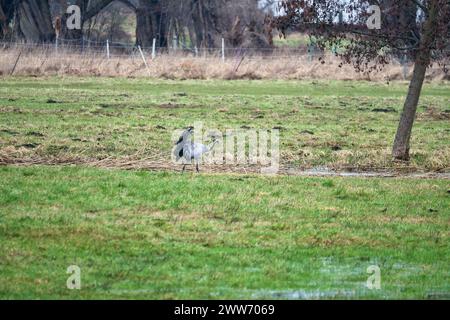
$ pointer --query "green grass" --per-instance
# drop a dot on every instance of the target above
(96, 118)
(136, 234)
(293, 40)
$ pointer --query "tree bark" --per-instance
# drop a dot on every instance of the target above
(87, 13)
(150, 23)
(144, 25)
(34, 21)
(7, 12)
(204, 21)
(95, 8)
(400, 149)
(3, 23)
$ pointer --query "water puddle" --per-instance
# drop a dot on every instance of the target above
(305, 295)
(323, 171)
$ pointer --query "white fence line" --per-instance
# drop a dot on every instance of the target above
(117, 46)
(60, 51)
(111, 49)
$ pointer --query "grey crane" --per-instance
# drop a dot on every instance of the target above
(191, 151)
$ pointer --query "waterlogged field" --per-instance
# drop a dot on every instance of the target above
(141, 234)
(136, 234)
(322, 123)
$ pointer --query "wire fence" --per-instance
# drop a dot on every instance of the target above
(87, 56)
(118, 49)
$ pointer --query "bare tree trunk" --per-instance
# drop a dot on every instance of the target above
(88, 11)
(7, 12)
(3, 18)
(34, 21)
(144, 25)
(150, 23)
(3, 23)
(74, 34)
(400, 149)
(204, 22)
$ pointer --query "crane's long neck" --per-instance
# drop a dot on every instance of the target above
(212, 145)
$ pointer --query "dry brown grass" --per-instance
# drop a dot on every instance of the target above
(41, 62)
(19, 157)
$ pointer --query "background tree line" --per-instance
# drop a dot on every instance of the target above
(194, 23)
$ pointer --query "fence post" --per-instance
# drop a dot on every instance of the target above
(154, 49)
(310, 52)
(404, 61)
(143, 57)
(15, 64)
(223, 50)
(107, 49)
(174, 43)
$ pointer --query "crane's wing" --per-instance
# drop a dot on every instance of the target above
(184, 139)
(180, 140)
(184, 136)
(178, 151)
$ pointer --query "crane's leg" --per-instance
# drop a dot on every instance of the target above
(196, 167)
(184, 167)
